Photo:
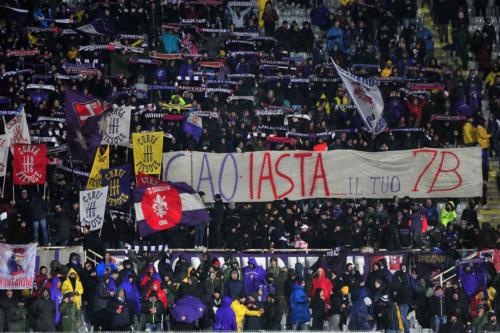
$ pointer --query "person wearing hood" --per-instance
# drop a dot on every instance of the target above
(119, 312)
(149, 276)
(361, 313)
(225, 319)
(106, 266)
(70, 315)
(448, 213)
(56, 296)
(492, 325)
(132, 292)
(241, 310)
(272, 314)
(273, 267)
(7, 303)
(73, 284)
(253, 275)
(233, 265)
(152, 310)
(156, 289)
(89, 281)
(299, 307)
(267, 287)
(320, 281)
(74, 262)
(44, 312)
(16, 321)
(101, 298)
(234, 286)
(127, 270)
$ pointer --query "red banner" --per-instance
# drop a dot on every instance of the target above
(30, 164)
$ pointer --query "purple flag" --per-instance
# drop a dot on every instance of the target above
(82, 118)
(37, 97)
(118, 181)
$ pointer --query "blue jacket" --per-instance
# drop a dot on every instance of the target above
(359, 313)
(335, 36)
(101, 268)
(299, 306)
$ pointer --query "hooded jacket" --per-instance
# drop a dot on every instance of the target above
(44, 311)
(299, 307)
(448, 216)
(132, 293)
(233, 288)
(322, 282)
(162, 297)
(253, 277)
(75, 287)
(56, 297)
(225, 319)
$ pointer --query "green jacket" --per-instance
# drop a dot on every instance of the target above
(70, 317)
(448, 216)
(17, 319)
(479, 322)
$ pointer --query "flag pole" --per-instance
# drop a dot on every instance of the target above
(3, 187)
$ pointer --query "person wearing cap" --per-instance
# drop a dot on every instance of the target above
(437, 308)
(387, 315)
(70, 315)
(119, 312)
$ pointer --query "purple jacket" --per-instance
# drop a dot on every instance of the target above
(253, 277)
(225, 320)
(132, 293)
(56, 296)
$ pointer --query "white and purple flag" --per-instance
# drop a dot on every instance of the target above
(193, 125)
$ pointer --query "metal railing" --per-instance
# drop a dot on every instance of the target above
(451, 271)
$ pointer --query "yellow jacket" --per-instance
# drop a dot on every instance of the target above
(490, 78)
(67, 287)
(240, 311)
(469, 133)
(483, 138)
(386, 72)
(328, 108)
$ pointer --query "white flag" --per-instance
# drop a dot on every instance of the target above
(17, 266)
(117, 126)
(367, 97)
(92, 207)
(17, 129)
(4, 153)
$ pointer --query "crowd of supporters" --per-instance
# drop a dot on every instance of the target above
(271, 85)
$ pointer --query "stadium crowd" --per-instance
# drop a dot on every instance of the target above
(266, 84)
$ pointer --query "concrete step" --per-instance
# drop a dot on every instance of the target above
(492, 211)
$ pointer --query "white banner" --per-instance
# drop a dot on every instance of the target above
(92, 207)
(4, 153)
(17, 129)
(17, 266)
(365, 93)
(117, 126)
(296, 175)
